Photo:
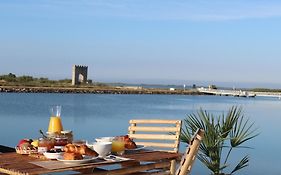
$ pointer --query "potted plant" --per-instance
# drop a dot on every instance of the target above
(223, 134)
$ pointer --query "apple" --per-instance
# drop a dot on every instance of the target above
(24, 142)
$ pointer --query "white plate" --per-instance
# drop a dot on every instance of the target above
(52, 155)
(85, 159)
(139, 147)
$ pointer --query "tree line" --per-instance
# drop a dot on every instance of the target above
(27, 80)
(12, 79)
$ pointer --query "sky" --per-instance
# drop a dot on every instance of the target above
(222, 42)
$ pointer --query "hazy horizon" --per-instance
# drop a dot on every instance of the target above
(162, 41)
(166, 82)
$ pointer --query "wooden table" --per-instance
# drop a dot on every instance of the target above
(12, 163)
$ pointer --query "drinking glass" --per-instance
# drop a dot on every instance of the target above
(118, 146)
(55, 125)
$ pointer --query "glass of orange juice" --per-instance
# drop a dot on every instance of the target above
(55, 125)
(118, 146)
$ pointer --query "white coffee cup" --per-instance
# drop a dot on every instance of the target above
(104, 139)
(102, 148)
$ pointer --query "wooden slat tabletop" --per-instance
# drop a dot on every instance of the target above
(13, 163)
(152, 156)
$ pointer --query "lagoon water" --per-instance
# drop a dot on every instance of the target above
(91, 115)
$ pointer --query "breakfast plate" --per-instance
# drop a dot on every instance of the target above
(86, 159)
(54, 155)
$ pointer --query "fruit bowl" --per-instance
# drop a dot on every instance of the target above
(23, 150)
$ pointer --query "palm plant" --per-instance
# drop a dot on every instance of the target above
(223, 133)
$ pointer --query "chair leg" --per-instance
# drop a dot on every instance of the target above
(173, 167)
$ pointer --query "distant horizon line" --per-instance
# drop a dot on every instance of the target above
(170, 82)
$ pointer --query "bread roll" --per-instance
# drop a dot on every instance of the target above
(72, 156)
(129, 143)
(70, 148)
(80, 149)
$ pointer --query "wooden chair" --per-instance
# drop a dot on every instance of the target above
(188, 158)
(159, 134)
(190, 154)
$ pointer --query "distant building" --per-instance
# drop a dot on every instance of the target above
(212, 86)
(89, 81)
(79, 74)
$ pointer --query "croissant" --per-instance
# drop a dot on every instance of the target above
(80, 149)
(84, 150)
(70, 148)
(129, 143)
(72, 156)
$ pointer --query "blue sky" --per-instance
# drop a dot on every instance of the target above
(234, 43)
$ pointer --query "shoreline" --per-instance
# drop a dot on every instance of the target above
(114, 90)
(96, 90)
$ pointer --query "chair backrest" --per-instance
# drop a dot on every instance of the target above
(190, 154)
(157, 133)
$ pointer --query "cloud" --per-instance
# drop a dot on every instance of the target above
(199, 10)
(194, 10)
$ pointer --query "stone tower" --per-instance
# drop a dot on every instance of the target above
(79, 74)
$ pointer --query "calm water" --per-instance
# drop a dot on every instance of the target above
(90, 116)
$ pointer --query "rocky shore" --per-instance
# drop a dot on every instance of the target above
(95, 90)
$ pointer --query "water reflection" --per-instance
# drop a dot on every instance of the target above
(90, 116)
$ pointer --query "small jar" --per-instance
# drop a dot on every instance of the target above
(60, 142)
(68, 134)
(45, 144)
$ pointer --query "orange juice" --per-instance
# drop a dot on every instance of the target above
(118, 146)
(55, 124)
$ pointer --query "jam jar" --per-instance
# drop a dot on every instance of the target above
(45, 144)
(60, 142)
(68, 134)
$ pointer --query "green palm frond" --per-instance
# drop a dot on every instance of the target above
(230, 119)
(241, 132)
(218, 130)
(214, 166)
(242, 164)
